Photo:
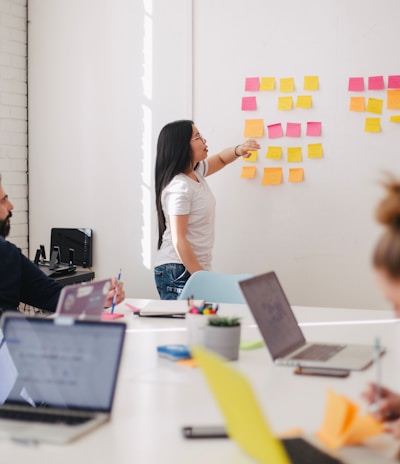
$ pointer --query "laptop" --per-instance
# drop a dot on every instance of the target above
(83, 300)
(244, 420)
(58, 376)
(285, 339)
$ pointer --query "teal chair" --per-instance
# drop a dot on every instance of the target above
(214, 287)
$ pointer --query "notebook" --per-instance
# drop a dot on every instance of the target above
(83, 300)
(58, 376)
(285, 339)
(244, 420)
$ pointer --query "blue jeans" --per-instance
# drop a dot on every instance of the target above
(170, 279)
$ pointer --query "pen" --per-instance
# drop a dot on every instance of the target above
(378, 373)
(115, 292)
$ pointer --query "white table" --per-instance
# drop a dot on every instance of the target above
(155, 397)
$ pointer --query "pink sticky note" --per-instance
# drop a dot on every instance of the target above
(249, 103)
(313, 129)
(394, 82)
(275, 131)
(293, 129)
(356, 84)
(252, 84)
(376, 83)
(111, 316)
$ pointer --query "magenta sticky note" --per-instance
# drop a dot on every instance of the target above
(394, 82)
(313, 129)
(376, 83)
(252, 84)
(293, 129)
(249, 103)
(356, 84)
(275, 131)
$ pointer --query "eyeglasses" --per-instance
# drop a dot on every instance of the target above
(198, 137)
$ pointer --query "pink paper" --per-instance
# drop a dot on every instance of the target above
(293, 129)
(313, 129)
(275, 131)
(249, 103)
(376, 83)
(394, 82)
(252, 84)
(356, 84)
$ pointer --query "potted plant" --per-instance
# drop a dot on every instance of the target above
(222, 335)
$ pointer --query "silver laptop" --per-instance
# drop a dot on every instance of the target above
(283, 336)
(58, 376)
(83, 300)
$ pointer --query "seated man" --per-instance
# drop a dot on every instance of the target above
(21, 280)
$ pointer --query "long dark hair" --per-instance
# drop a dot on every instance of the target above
(174, 156)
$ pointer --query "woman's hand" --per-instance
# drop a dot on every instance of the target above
(245, 148)
(117, 289)
(384, 403)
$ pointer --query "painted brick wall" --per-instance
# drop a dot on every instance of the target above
(13, 114)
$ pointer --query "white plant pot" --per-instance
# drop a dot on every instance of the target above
(224, 341)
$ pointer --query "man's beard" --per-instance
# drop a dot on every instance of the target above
(5, 226)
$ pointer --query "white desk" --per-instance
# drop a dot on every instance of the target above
(155, 397)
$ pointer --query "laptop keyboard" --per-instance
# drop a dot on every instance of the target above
(318, 352)
(302, 452)
(48, 418)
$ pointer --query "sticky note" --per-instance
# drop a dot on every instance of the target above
(296, 175)
(357, 104)
(393, 99)
(272, 176)
(315, 150)
(293, 129)
(394, 82)
(285, 103)
(375, 105)
(252, 84)
(395, 118)
(249, 103)
(356, 84)
(311, 83)
(313, 129)
(274, 153)
(275, 130)
(248, 172)
(253, 155)
(286, 84)
(267, 83)
(372, 124)
(254, 128)
(295, 154)
(376, 83)
(304, 101)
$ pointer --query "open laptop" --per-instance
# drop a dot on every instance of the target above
(83, 300)
(58, 376)
(283, 336)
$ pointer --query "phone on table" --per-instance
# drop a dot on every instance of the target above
(204, 431)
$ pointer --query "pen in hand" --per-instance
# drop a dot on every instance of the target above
(115, 292)
(374, 407)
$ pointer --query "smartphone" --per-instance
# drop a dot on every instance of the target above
(322, 371)
(204, 431)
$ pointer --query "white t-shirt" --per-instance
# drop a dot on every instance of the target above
(181, 196)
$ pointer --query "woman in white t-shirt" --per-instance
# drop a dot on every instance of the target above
(185, 204)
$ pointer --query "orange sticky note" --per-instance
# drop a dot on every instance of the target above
(393, 99)
(286, 84)
(374, 105)
(248, 172)
(254, 128)
(314, 150)
(296, 175)
(372, 124)
(267, 83)
(272, 176)
(274, 153)
(304, 101)
(311, 83)
(357, 104)
(285, 103)
(361, 428)
(294, 154)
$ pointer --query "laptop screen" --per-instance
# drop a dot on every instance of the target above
(60, 363)
(273, 314)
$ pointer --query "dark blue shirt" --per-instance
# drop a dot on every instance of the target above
(21, 281)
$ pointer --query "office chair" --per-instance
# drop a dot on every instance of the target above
(214, 287)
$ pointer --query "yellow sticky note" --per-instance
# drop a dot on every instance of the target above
(267, 83)
(314, 150)
(272, 176)
(357, 104)
(253, 155)
(311, 83)
(285, 103)
(375, 105)
(296, 175)
(393, 100)
(248, 172)
(286, 84)
(294, 154)
(372, 124)
(254, 128)
(304, 101)
(274, 153)
(395, 118)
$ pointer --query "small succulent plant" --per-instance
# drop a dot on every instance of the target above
(220, 321)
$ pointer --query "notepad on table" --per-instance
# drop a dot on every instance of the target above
(165, 308)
